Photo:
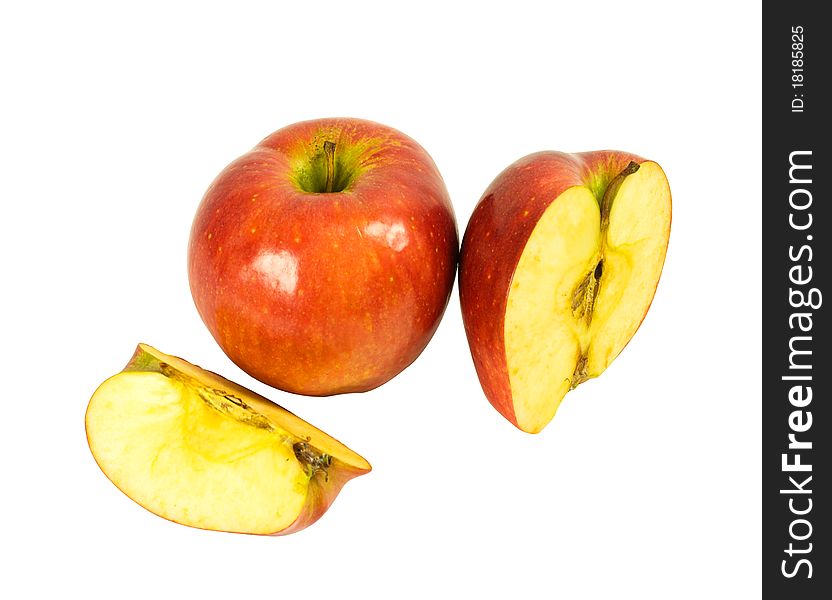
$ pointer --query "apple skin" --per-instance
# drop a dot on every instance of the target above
(320, 496)
(325, 293)
(494, 240)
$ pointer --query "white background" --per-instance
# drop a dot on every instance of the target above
(115, 120)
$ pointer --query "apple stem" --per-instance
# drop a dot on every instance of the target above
(329, 150)
(612, 190)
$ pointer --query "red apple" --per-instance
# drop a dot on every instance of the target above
(323, 259)
(559, 264)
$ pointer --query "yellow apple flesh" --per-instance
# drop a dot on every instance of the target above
(197, 449)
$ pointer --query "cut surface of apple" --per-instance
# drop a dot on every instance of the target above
(197, 449)
(587, 235)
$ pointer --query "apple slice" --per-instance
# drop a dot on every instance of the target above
(559, 264)
(197, 449)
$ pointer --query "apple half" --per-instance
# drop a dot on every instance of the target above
(559, 265)
(200, 450)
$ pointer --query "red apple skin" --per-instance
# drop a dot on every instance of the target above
(494, 240)
(321, 494)
(325, 293)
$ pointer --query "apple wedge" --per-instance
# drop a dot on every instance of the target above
(197, 449)
(559, 265)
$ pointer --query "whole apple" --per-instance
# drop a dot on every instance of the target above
(322, 260)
